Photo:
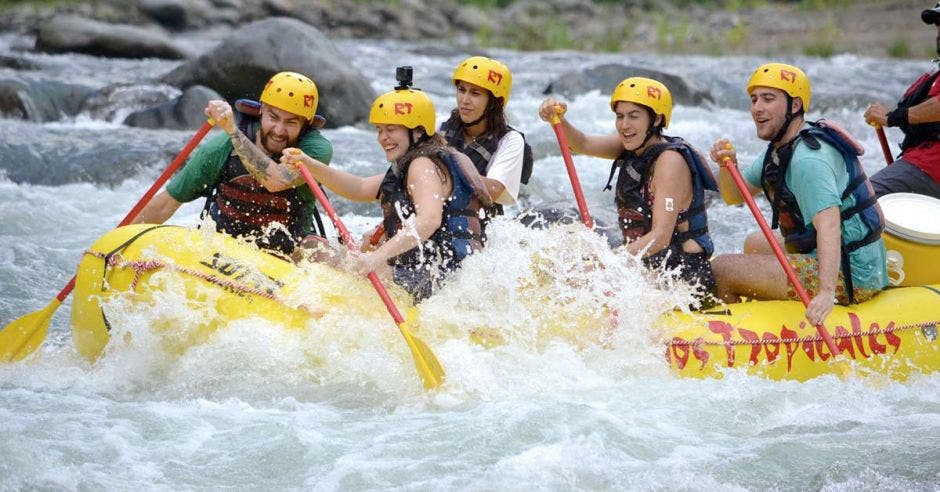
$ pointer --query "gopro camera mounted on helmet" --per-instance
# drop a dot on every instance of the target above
(404, 77)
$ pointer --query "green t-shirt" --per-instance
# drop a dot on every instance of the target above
(203, 170)
(817, 178)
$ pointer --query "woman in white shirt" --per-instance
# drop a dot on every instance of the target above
(478, 128)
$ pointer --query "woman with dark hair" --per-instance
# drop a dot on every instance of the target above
(478, 128)
(660, 189)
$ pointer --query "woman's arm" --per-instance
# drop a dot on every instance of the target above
(603, 146)
(347, 185)
(429, 190)
(672, 190)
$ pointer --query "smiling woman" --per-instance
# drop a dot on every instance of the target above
(660, 190)
(430, 194)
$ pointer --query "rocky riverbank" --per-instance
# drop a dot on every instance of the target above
(889, 28)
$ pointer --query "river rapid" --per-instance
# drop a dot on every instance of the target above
(261, 407)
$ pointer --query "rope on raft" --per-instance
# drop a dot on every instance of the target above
(143, 266)
(809, 338)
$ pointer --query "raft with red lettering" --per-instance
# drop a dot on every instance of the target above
(894, 334)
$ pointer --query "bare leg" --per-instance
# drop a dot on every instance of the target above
(757, 276)
(756, 244)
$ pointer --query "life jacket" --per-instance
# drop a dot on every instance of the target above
(635, 205)
(481, 151)
(800, 237)
(917, 93)
(241, 206)
(460, 231)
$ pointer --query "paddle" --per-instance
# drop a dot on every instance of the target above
(572, 173)
(885, 148)
(732, 167)
(429, 369)
(25, 334)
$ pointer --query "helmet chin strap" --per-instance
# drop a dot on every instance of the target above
(786, 122)
(649, 130)
(474, 122)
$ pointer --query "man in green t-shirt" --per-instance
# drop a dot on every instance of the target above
(248, 192)
(830, 222)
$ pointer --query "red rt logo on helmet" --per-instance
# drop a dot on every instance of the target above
(309, 101)
(494, 77)
(654, 92)
(787, 75)
(403, 108)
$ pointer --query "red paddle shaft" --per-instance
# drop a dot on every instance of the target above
(778, 252)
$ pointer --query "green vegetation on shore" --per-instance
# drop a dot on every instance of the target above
(886, 28)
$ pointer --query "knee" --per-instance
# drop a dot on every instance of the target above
(756, 244)
(721, 265)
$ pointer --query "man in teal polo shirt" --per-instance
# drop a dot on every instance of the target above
(248, 192)
(820, 197)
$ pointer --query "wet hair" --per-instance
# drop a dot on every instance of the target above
(426, 146)
(495, 117)
(654, 128)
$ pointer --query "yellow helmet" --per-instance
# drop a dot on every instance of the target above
(785, 77)
(292, 92)
(487, 73)
(647, 92)
(410, 108)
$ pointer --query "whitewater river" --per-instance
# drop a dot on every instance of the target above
(339, 406)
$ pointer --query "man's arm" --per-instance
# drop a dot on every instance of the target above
(257, 162)
(722, 153)
(828, 253)
(925, 112)
(160, 208)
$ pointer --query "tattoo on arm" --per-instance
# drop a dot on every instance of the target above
(290, 176)
(254, 159)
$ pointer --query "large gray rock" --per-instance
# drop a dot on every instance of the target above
(181, 113)
(37, 99)
(243, 62)
(76, 34)
(171, 14)
(605, 77)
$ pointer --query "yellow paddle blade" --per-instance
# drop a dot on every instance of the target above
(25, 334)
(429, 369)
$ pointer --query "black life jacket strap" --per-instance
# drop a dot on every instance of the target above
(858, 207)
(847, 276)
(613, 171)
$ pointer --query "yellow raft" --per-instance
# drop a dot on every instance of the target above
(209, 272)
(894, 334)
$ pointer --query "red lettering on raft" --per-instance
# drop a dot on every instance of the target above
(851, 343)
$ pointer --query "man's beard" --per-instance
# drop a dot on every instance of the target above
(265, 141)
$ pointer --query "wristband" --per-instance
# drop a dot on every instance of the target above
(898, 117)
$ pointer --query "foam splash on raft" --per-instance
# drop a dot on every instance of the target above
(551, 307)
